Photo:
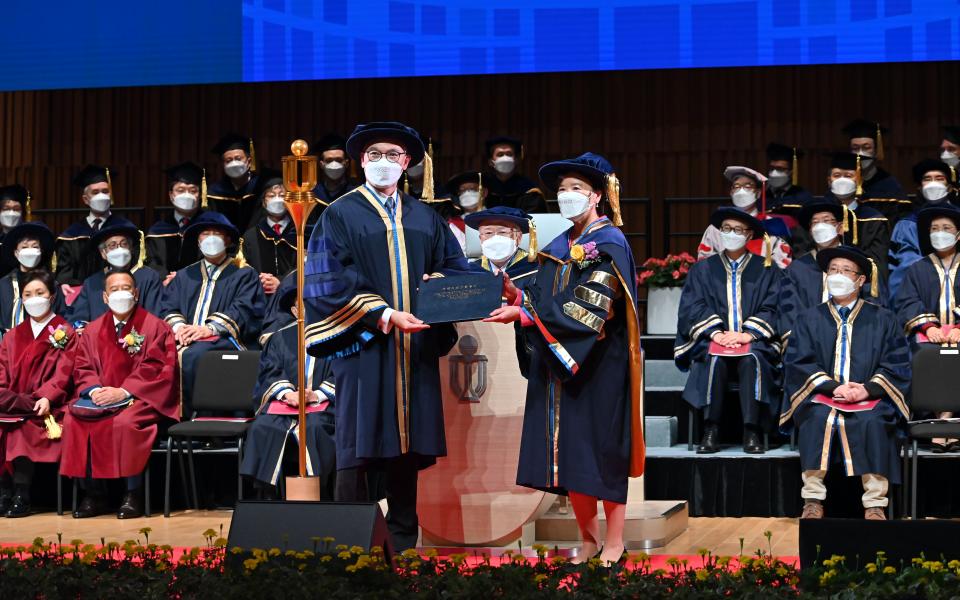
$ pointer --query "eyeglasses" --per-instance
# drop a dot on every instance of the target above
(736, 230)
(947, 228)
(501, 232)
(832, 222)
(393, 156)
(744, 186)
(115, 245)
(843, 271)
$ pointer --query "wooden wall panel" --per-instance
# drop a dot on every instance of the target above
(669, 133)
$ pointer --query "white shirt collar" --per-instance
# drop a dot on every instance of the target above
(383, 198)
(179, 217)
(852, 205)
(92, 217)
(40, 327)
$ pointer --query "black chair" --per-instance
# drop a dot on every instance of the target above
(929, 394)
(224, 387)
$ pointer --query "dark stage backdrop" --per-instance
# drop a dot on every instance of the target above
(669, 133)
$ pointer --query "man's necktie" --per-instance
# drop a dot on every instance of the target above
(277, 229)
(391, 205)
(120, 327)
(96, 224)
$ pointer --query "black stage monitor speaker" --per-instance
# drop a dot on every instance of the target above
(293, 525)
(899, 540)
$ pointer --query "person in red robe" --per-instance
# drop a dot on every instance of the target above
(126, 382)
(36, 368)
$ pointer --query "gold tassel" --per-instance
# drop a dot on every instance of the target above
(203, 190)
(480, 190)
(406, 184)
(109, 185)
(239, 259)
(53, 262)
(768, 250)
(28, 211)
(532, 246)
(428, 174)
(143, 252)
(54, 431)
(613, 198)
(859, 176)
(253, 157)
(874, 284)
(953, 178)
(847, 228)
(879, 153)
(795, 177)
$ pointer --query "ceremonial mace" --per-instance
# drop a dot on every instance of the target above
(299, 179)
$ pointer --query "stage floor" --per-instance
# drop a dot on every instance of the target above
(719, 535)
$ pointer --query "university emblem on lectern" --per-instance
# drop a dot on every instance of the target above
(465, 384)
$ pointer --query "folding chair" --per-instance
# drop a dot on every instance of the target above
(224, 387)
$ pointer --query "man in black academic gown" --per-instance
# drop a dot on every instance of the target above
(501, 229)
(881, 190)
(214, 304)
(74, 262)
(506, 185)
(271, 247)
(165, 250)
(784, 196)
(28, 246)
(863, 226)
(730, 298)
(336, 171)
(235, 195)
(842, 353)
(950, 149)
(13, 205)
(118, 245)
(373, 248)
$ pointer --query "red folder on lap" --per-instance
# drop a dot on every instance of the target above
(282, 408)
(720, 350)
(846, 406)
(922, 337)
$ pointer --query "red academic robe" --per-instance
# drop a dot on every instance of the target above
(31, 369)
(120, 443)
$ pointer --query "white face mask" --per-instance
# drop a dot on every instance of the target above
(383, 173)
(235, 168)
(118, 257)
(843, 187)
(823, 233)
(505, 165)
(950, 158)
(469, 198)
(121, 302)
(573, 204)
(778, 178)
(36, 306)
(29, 257)
(334, 170)
(840, 285)
(9, 218)
(416, 170)
(498, 248)
(941, 240)
(276, 207)
(185, 202)
(934, 191)
(733, 241)
(212, 245)
(743, 198)
(100, 203)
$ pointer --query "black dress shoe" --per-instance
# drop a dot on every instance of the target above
(19, 508)
(132, 505)
(710, 443)
(751, 442)
(90, 506)
(6, 501)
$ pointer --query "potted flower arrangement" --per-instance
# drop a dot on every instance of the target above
(664, 278)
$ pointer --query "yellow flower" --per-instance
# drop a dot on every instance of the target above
(59, 335)
(871, 568)
(250, 564)
(701, 575)
(577, 253)
(326, 558)
(889, 570)
(540, 578)
(274, 551)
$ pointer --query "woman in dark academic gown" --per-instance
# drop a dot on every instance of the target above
(213, 304)
(89, 303)
(271, 436)
(118, 444)
(927, 300)
(20, 248)
(582, 429)
(821, 361)
(35, 382)
(270, 247)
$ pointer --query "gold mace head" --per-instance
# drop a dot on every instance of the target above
(299, 148)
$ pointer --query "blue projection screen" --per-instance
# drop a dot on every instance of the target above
(114, 43)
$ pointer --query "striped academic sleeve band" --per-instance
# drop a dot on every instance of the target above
(226, 322)
(174, 318)
(607, 280)
(277, 389)
(329, 390)
(583, 316)
(813, 382)
(919, 320)
(593, 298)
(345, 318)
(895, 396)
(760, 326)
(697, 330)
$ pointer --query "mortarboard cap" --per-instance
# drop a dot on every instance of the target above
(91, 174)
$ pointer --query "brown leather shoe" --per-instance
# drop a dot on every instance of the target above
(875, 513)
(812, 510)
